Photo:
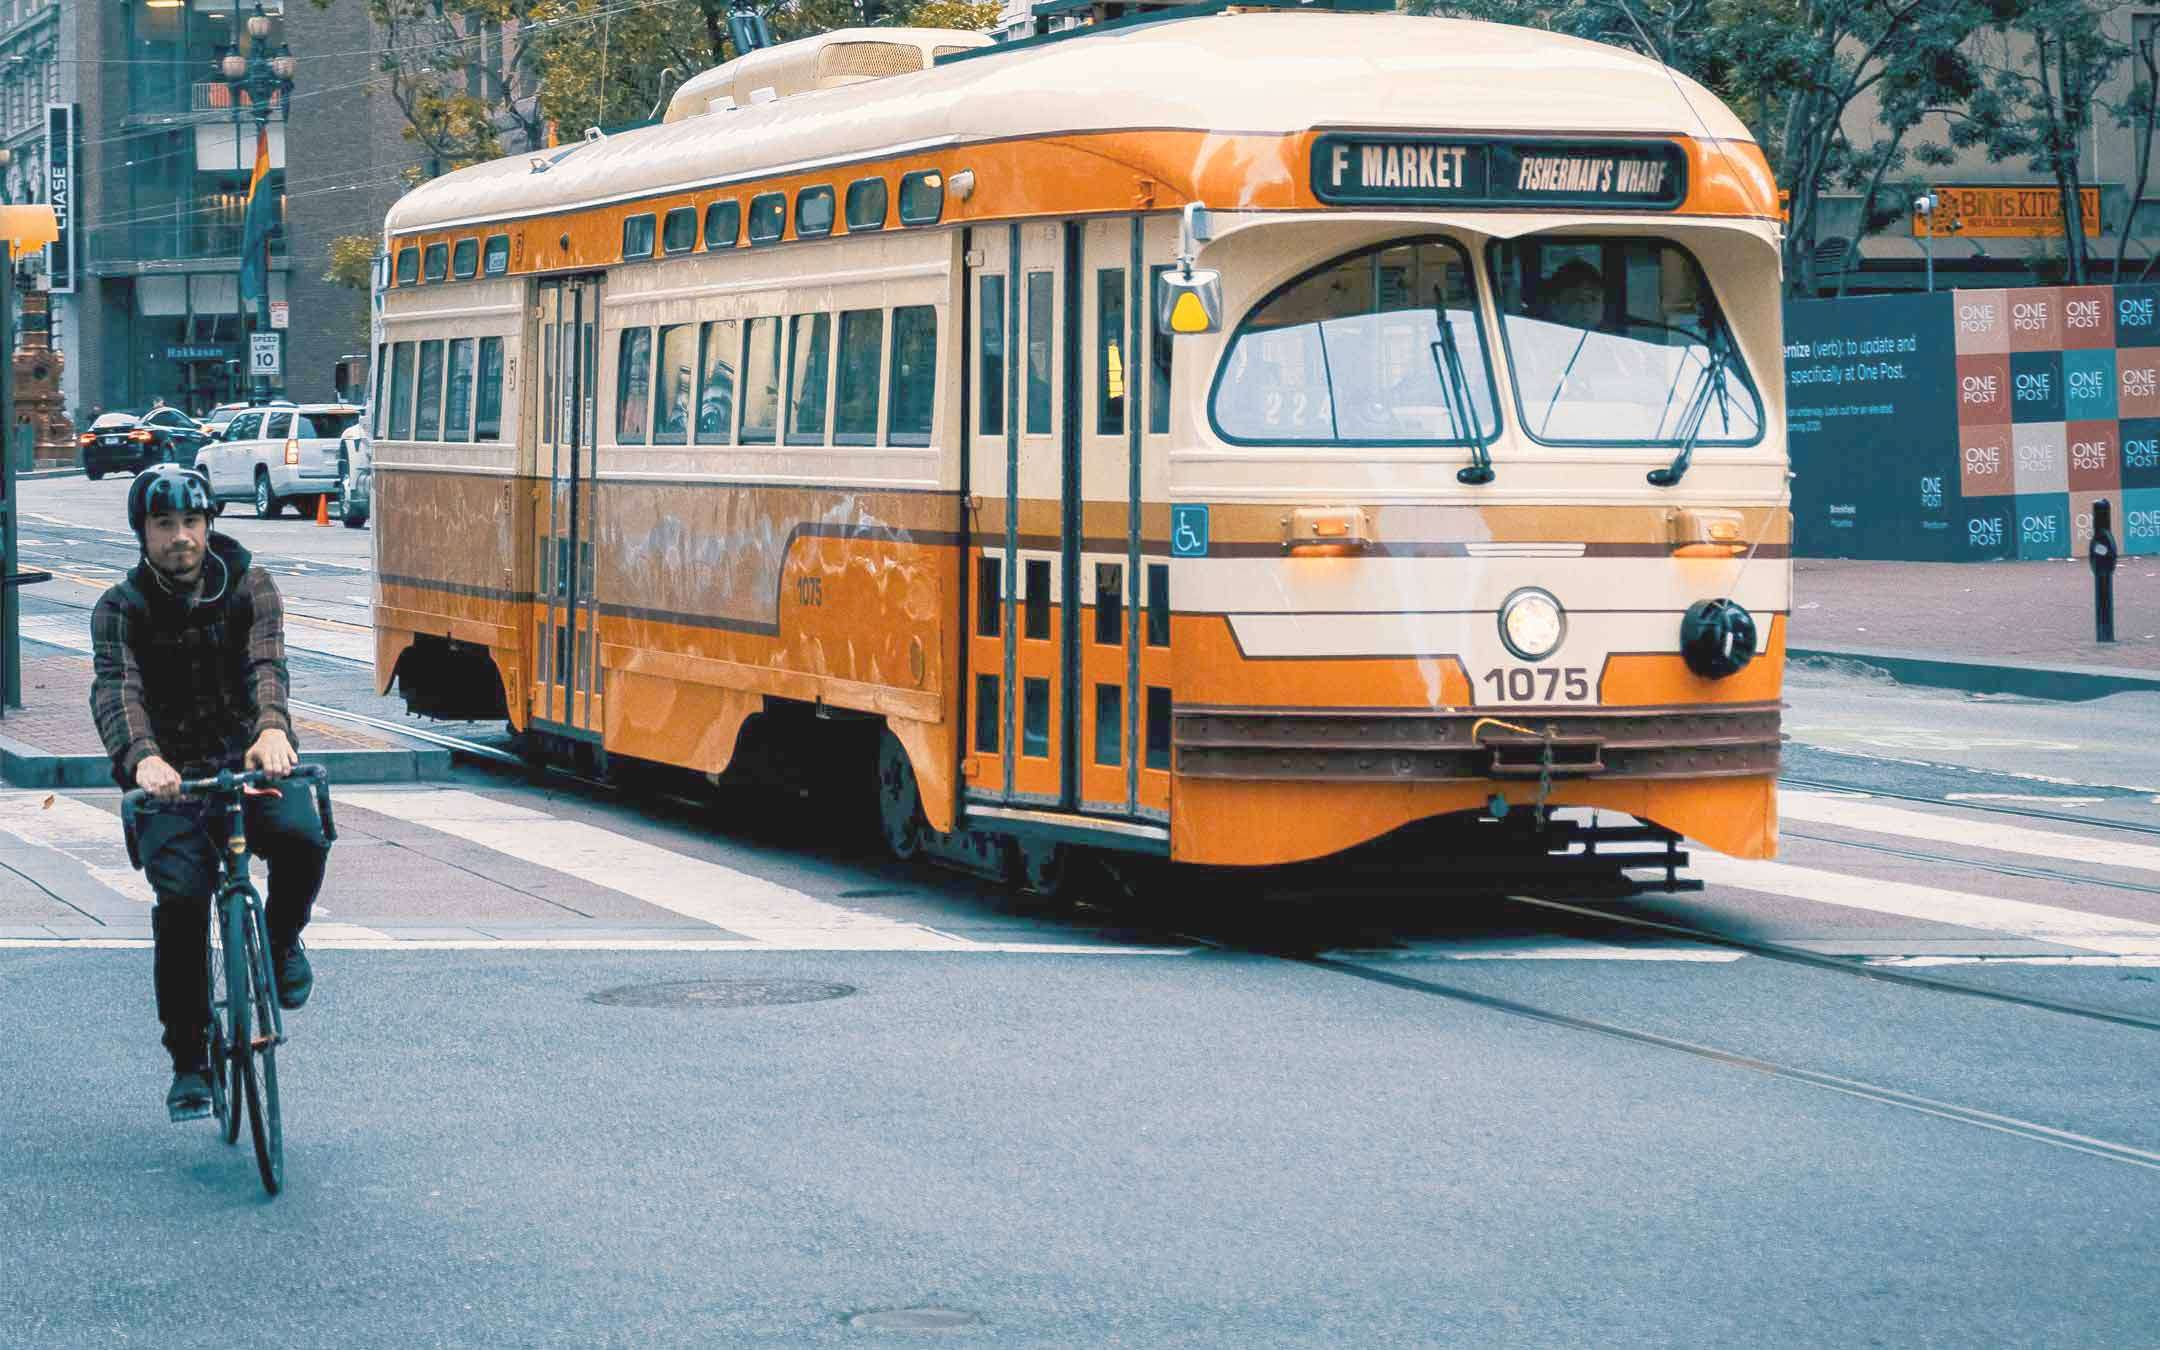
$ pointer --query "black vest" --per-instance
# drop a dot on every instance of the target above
(194, 664)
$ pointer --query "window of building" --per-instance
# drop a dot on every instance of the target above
(760, 393)
(1110, 351)
(487, 424)
(768, 217)
(913, 382)
(633, 386)
(427, 425)
(990, 357)
(465, 259)
(679, 235)
(675, 384)
(855, 402)
(435, 265)
(457, 416)
(866, 201)
(922, 197)
(637, 236)
(814, 212)
(497, 261)
(723, 224)
(716, 381)
(809, 343)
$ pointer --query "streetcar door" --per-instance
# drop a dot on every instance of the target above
(566, 666)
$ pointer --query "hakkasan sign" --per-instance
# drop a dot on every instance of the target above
(1971, 425)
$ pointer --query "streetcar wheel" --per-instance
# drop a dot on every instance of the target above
(260, 1057)
(899, 799)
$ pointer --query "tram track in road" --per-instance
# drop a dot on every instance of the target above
(1992, 808)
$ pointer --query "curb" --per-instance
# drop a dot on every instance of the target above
(24, 475)
(27, 766)
(2071, 684)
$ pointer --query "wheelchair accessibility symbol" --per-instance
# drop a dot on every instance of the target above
(1188, 532)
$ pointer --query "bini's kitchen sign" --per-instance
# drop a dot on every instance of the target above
(1398, 170)
(60, 255)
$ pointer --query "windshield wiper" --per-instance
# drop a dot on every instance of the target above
(1709, 388)
(1455, 389)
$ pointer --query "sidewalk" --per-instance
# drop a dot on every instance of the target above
(2007, 627)
(50, 741)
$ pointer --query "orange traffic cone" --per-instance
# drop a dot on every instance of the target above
(322, 509)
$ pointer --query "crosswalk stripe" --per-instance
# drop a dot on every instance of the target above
(2041, 923)
(708, 892)
(1861, 813)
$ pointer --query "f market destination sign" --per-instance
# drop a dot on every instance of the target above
(1351, 169)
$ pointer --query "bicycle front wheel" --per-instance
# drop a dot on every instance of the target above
(222, 1103)
(259, 1058)
(230, 1023)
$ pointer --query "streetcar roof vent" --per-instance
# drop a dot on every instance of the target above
(827, 61)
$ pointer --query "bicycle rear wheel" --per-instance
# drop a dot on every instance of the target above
(259, 1057)
(229, 1022)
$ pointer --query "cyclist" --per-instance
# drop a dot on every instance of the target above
(189, 650)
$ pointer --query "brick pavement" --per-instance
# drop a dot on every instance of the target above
(2039, 613)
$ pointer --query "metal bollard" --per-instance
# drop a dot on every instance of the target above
(2102, 557)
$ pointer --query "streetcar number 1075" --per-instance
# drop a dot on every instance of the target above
(1538, 684)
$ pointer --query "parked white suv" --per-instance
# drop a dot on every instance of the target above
(274, 455)
(356, 476)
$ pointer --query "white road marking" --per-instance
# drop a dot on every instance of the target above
(318, 942)
(92, 839)
(2021, 798)
(1857, 813)
(2102, 933)
(760, 910)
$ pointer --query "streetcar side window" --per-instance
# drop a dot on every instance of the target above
(866, 203)
(922, 197)
(814, 212)
(1354, 353)
(1041, 316)
(633, 386)
(379, 408)
(497, 259)
(1110, 351)
(855, 402)
(810, 361)
(723, 224)
(637, 236)
(1618, 341)
(768, 217)
(457, 419)
(761, 382)
(427, 426)
(487, 425)
(1159, 350)
(675, 384)
(721, 341)
(465, 259)
(435, 265)
(408, 266)
(990, 356)
(401, 382)
(679, 234)
(913, 376)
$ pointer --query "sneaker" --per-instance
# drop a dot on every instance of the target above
(189, 1096)
(295, 978)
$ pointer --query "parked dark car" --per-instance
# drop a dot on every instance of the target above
(132, 442)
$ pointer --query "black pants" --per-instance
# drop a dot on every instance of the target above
(180, 844)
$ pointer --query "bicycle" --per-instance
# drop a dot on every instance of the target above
(246, 1024)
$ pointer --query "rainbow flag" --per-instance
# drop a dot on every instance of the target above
(261, 218)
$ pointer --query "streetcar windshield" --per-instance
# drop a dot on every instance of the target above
(1619, 342)
(1378, 348)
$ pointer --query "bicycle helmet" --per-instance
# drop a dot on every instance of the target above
(167, 487)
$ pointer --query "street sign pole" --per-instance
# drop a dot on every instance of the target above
(10, 610)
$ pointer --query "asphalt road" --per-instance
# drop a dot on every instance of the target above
(1183, 1120)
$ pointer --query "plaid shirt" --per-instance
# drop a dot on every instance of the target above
(193, 682)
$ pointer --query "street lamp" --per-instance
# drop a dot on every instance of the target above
(1925, 206)
(261, 80)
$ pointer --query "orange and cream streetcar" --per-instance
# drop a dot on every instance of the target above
(1233, 435)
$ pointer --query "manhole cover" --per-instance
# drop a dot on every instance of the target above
(914, 1319)
(719, 993)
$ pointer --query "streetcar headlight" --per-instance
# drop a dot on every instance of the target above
(1532, 624)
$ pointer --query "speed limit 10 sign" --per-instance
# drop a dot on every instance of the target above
(263, 354)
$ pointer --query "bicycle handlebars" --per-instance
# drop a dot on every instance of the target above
(226, 783)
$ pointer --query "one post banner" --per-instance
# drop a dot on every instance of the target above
(1972, 425)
